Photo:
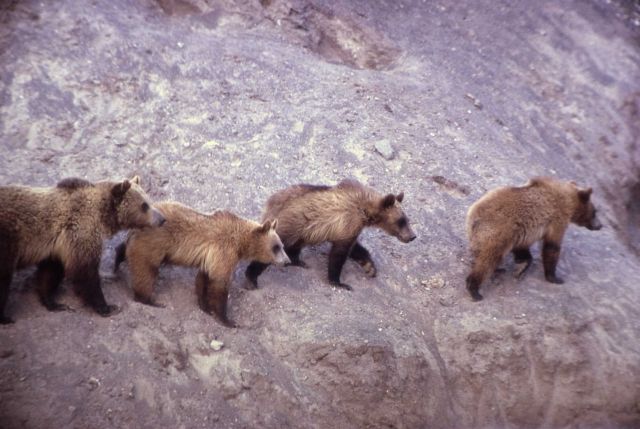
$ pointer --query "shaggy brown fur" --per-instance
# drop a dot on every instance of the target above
(314, 214)
(213, 243)
(61, 229)
(511, 219)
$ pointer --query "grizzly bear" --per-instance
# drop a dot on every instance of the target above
(61, 229)
(214, 243)
(510, 219)
(309, 214)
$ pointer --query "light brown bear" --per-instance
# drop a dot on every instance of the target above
(309, 214)
(61, 229)
(511, 219)
(214, 243)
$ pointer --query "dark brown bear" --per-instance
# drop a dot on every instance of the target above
(310, 215)
(511, 219)
(61, 229)
(213, 243)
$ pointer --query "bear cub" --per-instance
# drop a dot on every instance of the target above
(309, 215)
(61, 230)
(511, 219)
(214, 243)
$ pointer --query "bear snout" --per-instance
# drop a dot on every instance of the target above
(156, 218)
(283, 259)
(407, 236)
(595, 225)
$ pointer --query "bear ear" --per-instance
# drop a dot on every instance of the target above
(265, 227)
(135, 179)
(120, 189)
(388, 201)
(585, 194)
(400, 197)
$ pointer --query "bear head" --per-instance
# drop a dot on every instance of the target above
(585, 213)
(133, 207)
(389, 217)
(266, 246)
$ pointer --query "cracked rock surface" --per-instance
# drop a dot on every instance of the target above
(217, 104)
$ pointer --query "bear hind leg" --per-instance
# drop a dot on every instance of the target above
(7, 264)
(213, 295)
(86, 281)
(522, 256)
(484, 264)
(362, 256)
(49, 275)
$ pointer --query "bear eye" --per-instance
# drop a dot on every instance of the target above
(402, 222)
(145, 207)
(276, 248)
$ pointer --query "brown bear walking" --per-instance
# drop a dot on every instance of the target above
(310, 215)
(61, 229)
(511, 219)
(214, 243)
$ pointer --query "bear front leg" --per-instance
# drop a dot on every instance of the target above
(86, 280)
(293, 252)
(254, 270)
(121, 256)
(337, 256)
(550, 256)
(49, 275)
(522, 256)
(363, 258)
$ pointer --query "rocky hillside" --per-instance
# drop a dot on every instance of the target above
(217, 104)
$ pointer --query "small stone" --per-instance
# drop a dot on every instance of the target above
(447, 301)
(476, 103)
(435, 282)
(216, 345)
(384, 148)
(93, 383)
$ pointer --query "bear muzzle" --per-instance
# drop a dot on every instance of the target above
(282, 259)
(595, 225)
(156, 218)
(407, 236)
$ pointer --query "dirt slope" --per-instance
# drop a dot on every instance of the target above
(219, 104)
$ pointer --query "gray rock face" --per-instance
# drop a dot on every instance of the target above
(219, 104)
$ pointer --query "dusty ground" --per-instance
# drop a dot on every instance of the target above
(218, 104)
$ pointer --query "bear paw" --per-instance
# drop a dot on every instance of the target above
(341, 285)
(554, 279)
(4, 320)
